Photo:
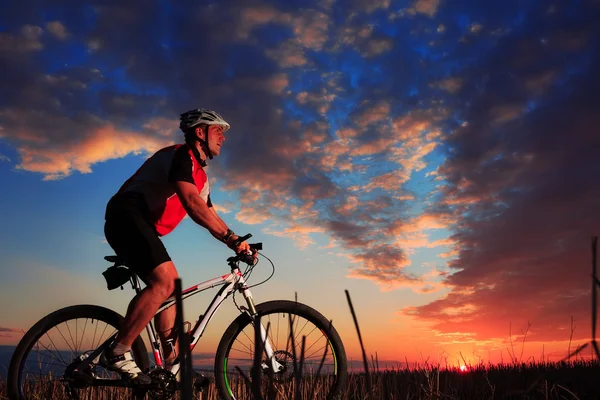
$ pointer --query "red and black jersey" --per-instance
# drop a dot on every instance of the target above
(154, 180)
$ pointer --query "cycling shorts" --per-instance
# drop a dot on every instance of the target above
(131, 235)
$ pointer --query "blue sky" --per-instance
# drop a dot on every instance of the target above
(432, 157)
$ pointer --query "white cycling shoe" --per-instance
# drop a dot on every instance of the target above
(126, 366)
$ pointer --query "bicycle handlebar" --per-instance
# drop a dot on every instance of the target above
(244, 257)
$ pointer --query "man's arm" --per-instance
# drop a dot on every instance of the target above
(234, 237)
(198, 210)
(212, 209)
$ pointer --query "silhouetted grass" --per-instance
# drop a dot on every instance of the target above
(579, 379)
(575, 380)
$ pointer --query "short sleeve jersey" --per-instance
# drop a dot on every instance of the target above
(154, 180)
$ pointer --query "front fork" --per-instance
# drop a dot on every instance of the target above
(268, 349)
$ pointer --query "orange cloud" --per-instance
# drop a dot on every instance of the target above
(332, 152)
(321, 100)
(275, 84)
(221, 209)
(311, 29)
(253, 216)
(451, 85)
(254, 16)
(368, 6)
(427, 7)
(385, 265)
(81, 142)
(353, 35)
(28, 39)
(377, 113)
(505, 113)
(289, 54)
(58, 30)
(161, 126)
(361, 38)
(377, 46)
(299, 234)
(103, 144)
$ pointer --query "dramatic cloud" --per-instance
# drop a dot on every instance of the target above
(27, 39)
(427, 7)
(452, 129)
(57, 29)
(518, 188)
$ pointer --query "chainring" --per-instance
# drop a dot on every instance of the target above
(164, 384)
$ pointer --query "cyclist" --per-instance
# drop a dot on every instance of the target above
(150, 204)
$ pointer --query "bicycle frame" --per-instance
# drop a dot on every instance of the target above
(231, 282)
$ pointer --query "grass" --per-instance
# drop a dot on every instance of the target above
(573, 378)
(564, 380)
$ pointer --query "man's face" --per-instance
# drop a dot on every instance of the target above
(215, 139)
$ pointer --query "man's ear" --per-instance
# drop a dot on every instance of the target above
(199, 131)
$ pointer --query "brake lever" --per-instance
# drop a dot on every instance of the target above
(247, 258)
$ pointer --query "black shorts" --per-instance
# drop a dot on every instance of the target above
(132, 236)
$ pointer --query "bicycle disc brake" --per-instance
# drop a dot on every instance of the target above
(164, 384)
(286, 359)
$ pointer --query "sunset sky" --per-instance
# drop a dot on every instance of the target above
(438, 159)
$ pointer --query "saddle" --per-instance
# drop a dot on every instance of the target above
(117, 275)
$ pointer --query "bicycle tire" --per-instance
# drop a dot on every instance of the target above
(52, 320)
(285, 307)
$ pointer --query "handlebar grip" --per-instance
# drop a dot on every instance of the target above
(243, 238)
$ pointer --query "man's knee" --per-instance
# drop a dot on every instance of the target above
(162, 279)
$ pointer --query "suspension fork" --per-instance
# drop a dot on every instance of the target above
(268, 349)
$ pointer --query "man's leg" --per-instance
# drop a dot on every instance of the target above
(160, 284)
(165, 324)
(133, 237)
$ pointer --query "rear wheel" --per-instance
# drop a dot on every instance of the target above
(41, 366)
(318, 372)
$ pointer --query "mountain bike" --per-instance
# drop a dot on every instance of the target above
(59, 356)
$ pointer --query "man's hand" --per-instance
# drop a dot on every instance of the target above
(238, 248)
(242, 247)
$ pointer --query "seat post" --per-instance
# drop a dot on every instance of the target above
(135, 283)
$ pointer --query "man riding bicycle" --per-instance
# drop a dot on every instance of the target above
(150, 204)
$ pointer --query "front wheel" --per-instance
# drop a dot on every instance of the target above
(309, 352)
(42, 362)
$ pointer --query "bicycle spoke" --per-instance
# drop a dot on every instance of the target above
(317, 359)
(44, 368)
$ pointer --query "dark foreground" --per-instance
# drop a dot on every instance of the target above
(578, 380)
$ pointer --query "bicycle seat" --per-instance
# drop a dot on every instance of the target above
(115, 259)
(118, 274)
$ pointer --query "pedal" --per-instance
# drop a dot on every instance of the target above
(201, 382)
(82, 376)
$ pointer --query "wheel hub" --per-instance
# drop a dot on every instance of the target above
(79, 379)
(286, 359)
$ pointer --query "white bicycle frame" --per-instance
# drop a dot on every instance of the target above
(231, 282)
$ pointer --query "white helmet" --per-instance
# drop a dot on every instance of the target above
(191, 118)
